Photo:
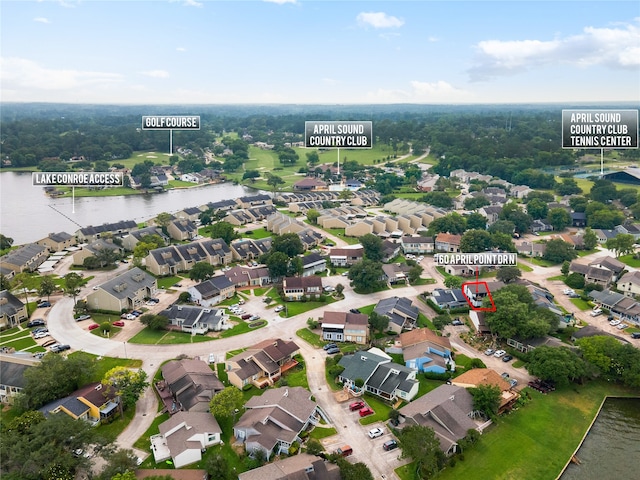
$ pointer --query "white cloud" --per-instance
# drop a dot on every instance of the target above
(613, 47)
(22, 75)
(181, 49)
(378, 20)
(41, 20)
(433, 39)
(192, 3)
(281, 2)
(156, 73)
(421, 92)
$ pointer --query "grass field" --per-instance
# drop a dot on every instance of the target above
(167, 282)
(310, 337)
(629, 260)
(322, 432)
(242, 327)
(581, 304)
(525, 268)
(257, 233)
(380, 408)
(531, 450)
(166, 337)
(296, 308)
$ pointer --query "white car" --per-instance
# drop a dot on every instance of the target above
(613, 323)
(279, 308)
(595, 312)
(622, 326)
(376, 432)
(499, 354)
(568, 291)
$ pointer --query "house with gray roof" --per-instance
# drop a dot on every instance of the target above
(254, 200)
(448, 298)
(273, 421)
(91, 233)
(189, 213)
(182, 229)
(187, 385)
(184, 437)
(94, 403)
(298, 467)
(448, 410)
(212, 291)
(12, 310)
(381, 377)
(12, 368)
(56, 242)
(197, 320)
(312, 264)
(24, 259)
(400, 311)
(95, 248)
(417, 245)
(135, 236)
(299, 288)
(164, 261)
(262, 364)
(127, 291)
(619, 305)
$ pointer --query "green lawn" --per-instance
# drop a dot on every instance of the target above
(167, 337)
(261, 292)
(629, 260)
(143, 443)
(104, 364)
(181, 184)
(557, 277)
(380, 408)
(111, 430)
(525, 268)
(233, 353)
(296, 308)
(537, 440)
(322, 432)
(168, 282)
(297, 376)
(581, 304)
(257, 233)
(242, 327)
(541, 262)
(21, 343)
(311, 338)
(426, 385)
(339, 232)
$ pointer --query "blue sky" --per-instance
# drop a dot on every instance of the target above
(328, 52)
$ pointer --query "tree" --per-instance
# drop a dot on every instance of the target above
(575, 280)
(72, 283)
(312, 215)
(621, 244)
(366, 276)
(378, 322)
(129, 384)
(565, 268)
(476, 221)
(163, 220)
(414, 273)
(353, 471)
(513, 213)
(47, 286)
(508, 274)
(5, 242)
(559, 364)
(129, 475)
(313, 158)
(509, 316)
(486, 398)
(475, 241)
(274, 181)
(339, 289)
(453, 223)
(438, 199)
(453, 281)
(559, 218)
(106, 256)
(218, 467)
(54, 377)
(537, 208)
(590, 239)
(502, 242)
(20, 281)
(223, 230)
(155, 322)
(119, 462)
(288, 243)
(251, 175)
(502, 226)
(472, 203)
(201, 271)
(314, 447)
(372, 245)
(224, 404)
(277, 263)
(568, 186)
(5, 283)
(420, 444)
(603, 191)
(558, 251)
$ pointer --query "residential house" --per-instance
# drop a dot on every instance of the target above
(629, 284)
(212, 291)
(56, 242)
(592, 274)
(604, 235)
(619, 305)
(310, 183)
(164, 261)
(520, 191)
(426, 351)
(91, 233)
(299, 467)
(486, 376)
(346, 256)
(479, 325)
(12, 382)
(190, 213)
(531, 249)
(491, 213)
(182, 229)
(135, 236)
(184, 437)
(629, 229)
(273, 421)
(95, 403)
(95, 248)
(242, 276)
(127, 291)
(381, 376)
(610, 263)
(254, 201)
(238, 217)
(297, 288)
(578, 219)
(526, 345)
(417, 245)
(390, 250)
(446, 242)
(448, 298)
(448, 410)
(400, 311)
(262, 364)
(395, 273)
(477, 292)
(217, 250)
(12, 310)
(460, 270)
(197, 320)
(24, 259)
(312, 264)
(345, 327)
(187, 385)
(541, 225)
(178, 258)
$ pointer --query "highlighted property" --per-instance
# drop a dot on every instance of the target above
(475, 293)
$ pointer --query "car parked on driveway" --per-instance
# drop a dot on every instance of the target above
(279, 308)
(366, 411)
(499, 353)
(246, 316)
(344, 451)
(333, 351)
(59, 348)
(635, 335)
(356, 405)
(37, 322)
(49, 342)
(39, 335)
(507, 358)
(118, 323)
(489, 351)
(93, 326)
(376, 432)
(83, 317)
(330, 345)
(44, 304)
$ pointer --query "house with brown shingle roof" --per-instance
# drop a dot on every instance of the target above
(187, 385)
(262, 364)
(447, 242)
(426, 351)
(486, 376)
(345, 327)
(297, 288)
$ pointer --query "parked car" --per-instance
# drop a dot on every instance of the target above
(241, 302)
(246, 316)
(489, 351)
(279, 308)
(635, 335)
(44, 304)
(39, 330)
(83, 317)
(130, 316)
(613, 323)
(507, 358)
(333, 351)
(499, 353)
(513, 382)
(50, 342)
(366, 411)
(390, 445)
(356, 405)
(376, 432)
(40, 335)
(622, 326)
(354, 310)
(93, 326)
(57, 348)
(457, 322)
(330, 345)
(37, 322)
(118, 323)
(345, 274)
(96, 287)
(504, 375)
(595, 312)
(329, 288)
(38, 355)
(344, 451)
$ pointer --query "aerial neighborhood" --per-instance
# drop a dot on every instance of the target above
(304, 330)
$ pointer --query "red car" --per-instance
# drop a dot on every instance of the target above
(356, 405)
(93, 326)
(119, 323)
(366, 411)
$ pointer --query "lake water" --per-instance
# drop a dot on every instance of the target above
(27, 214)
(611, 450)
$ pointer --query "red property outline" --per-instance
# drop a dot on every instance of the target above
(492, 308)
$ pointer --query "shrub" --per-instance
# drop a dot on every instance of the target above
(575, 280)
